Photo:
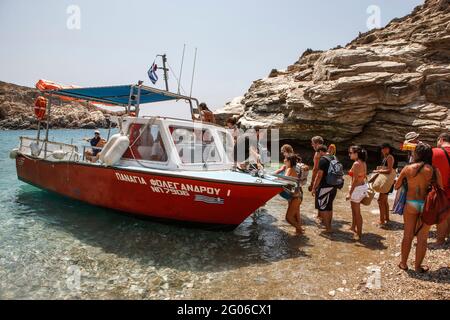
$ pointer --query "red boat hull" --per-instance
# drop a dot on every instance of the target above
(164, 196)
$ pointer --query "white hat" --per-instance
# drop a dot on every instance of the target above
(411, 136)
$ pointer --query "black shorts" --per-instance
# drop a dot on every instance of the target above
(391, 190)
(325, 197)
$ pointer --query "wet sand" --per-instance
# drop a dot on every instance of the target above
(121, 257)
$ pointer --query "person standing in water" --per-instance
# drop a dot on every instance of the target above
(387, 166)
(419, 176)
(315, 143)
(294, 199)
(358, 188)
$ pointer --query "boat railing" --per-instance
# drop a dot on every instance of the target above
(48, 150)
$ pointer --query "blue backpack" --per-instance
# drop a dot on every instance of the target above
(335, 174)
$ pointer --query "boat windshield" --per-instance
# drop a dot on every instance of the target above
(195, 145)
(145, 143)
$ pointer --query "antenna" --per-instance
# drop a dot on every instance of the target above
(193, 72)
(181, 69)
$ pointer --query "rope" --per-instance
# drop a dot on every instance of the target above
(176, 78)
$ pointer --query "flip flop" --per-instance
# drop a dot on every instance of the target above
(403, 268)
(423, 269)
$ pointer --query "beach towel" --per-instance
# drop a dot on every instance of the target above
(400, 199)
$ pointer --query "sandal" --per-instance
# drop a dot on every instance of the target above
(403, 268)
(423, 269)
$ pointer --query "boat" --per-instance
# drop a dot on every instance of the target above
(149, 169)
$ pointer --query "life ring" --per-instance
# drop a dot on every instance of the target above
(40, 106)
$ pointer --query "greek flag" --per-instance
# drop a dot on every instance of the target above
(152, 73)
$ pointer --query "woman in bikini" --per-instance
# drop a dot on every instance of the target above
(358, 188)
(294, 200)
(286, 150)
(418, 175)
(387, 165)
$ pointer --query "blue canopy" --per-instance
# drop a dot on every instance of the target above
(119, 95)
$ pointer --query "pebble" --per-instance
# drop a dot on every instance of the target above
(332, 293)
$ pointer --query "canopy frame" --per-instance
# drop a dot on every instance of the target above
(125, 96)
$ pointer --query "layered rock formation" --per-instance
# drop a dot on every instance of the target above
(380, 86)
(17, 111)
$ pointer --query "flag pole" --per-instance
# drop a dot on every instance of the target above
(166, 78)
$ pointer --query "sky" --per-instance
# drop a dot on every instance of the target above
(109, 42)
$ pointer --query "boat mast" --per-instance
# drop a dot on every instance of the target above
(164, 68)
(49, 104)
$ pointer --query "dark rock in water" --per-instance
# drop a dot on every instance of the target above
(377, 88)
(89, 125)
(17, 111)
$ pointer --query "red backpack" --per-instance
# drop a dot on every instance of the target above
(437, 206)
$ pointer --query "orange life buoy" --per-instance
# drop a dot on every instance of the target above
(40, 106)
(43, 85)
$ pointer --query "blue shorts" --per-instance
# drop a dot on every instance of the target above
(286, 195)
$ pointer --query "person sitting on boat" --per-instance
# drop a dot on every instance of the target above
(97, 142)
(206, 115)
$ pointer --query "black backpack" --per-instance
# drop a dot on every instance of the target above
(335, 174)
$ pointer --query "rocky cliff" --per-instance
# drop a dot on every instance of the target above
(378, 87)
(17, 103)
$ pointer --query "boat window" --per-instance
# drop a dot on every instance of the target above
(228, 144)
(195, 145)
(145, 143)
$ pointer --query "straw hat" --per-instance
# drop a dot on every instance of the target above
(411, 136)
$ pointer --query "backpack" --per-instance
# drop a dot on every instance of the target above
(437, 207)
(335, 174)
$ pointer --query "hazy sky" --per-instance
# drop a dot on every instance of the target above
(238, 40)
